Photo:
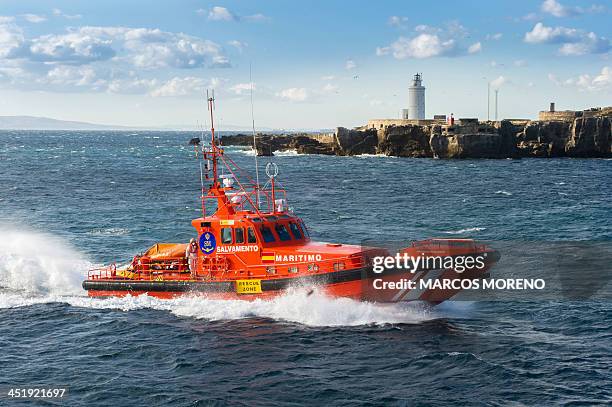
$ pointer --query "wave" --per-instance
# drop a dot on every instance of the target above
(502, 192)
(461, 231)
(371, 155)
(248, 151)
(109, 232)
(40, 263)
(285, 153)
(296, 306)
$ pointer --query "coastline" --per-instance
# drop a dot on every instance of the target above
(587, 136)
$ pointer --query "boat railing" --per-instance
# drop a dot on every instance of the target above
(217, 267)
(142, 268)
(248, 199)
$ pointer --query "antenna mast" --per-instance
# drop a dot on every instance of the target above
(254, 139)
(211, 107)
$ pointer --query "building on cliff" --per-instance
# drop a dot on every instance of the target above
(414, 114)
(553, 115)
(416, 98)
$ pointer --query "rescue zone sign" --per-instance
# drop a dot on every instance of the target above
(248, 286)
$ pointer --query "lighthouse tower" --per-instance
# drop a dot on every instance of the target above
(416, 99)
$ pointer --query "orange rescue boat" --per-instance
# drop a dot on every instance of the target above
(253, 246)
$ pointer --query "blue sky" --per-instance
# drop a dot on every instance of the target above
(315, 64)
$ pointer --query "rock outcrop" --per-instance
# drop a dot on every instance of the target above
(588, 135)
(469, 139)
(404, 141)
(355, 142)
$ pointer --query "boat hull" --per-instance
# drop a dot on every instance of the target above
(358, 284)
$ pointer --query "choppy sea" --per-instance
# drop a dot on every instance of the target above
(71, 200)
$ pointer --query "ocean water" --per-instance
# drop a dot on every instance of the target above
(71, 200)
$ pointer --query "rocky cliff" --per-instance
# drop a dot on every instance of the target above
(589, 135)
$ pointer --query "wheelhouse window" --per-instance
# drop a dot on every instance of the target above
(226, 235)
(251, 238)
(239, 235)
(304, 229)
(267, 234)
(281, 231)
(295, 230)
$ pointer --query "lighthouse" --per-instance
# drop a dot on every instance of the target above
(416, 98)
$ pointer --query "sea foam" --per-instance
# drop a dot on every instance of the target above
(39, 263)
(38, 268)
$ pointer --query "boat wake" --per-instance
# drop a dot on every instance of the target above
(53, 272)
(38, 263)
(296, 306)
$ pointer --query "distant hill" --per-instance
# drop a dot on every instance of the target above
(45, 123)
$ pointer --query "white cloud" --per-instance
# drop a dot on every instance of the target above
(520, 63)
(543, 34)
(143, 47)
(475, 48)
(72, 48)
(11, 39)
(494, 37)
(553, 78)
(257, 18)
(58, 13)
(328, 78)
(421, 46)
(239, 45)
(181, 87)
(572, 40)
(33, 18)
(498, 82)
(77, 60)
(431, 42)
(529, 17)
(79, 76)
(455, 29)
(220, 61)
(554, 8)
(350, 65)
(604, 79)
(6, 19)
(587, 82)
(426, 28)
(397, 21)
(133, 86)
(330, 88)
(218, 13)
(589, 44)
(155, 48)
(241, 89)
(293, 94)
